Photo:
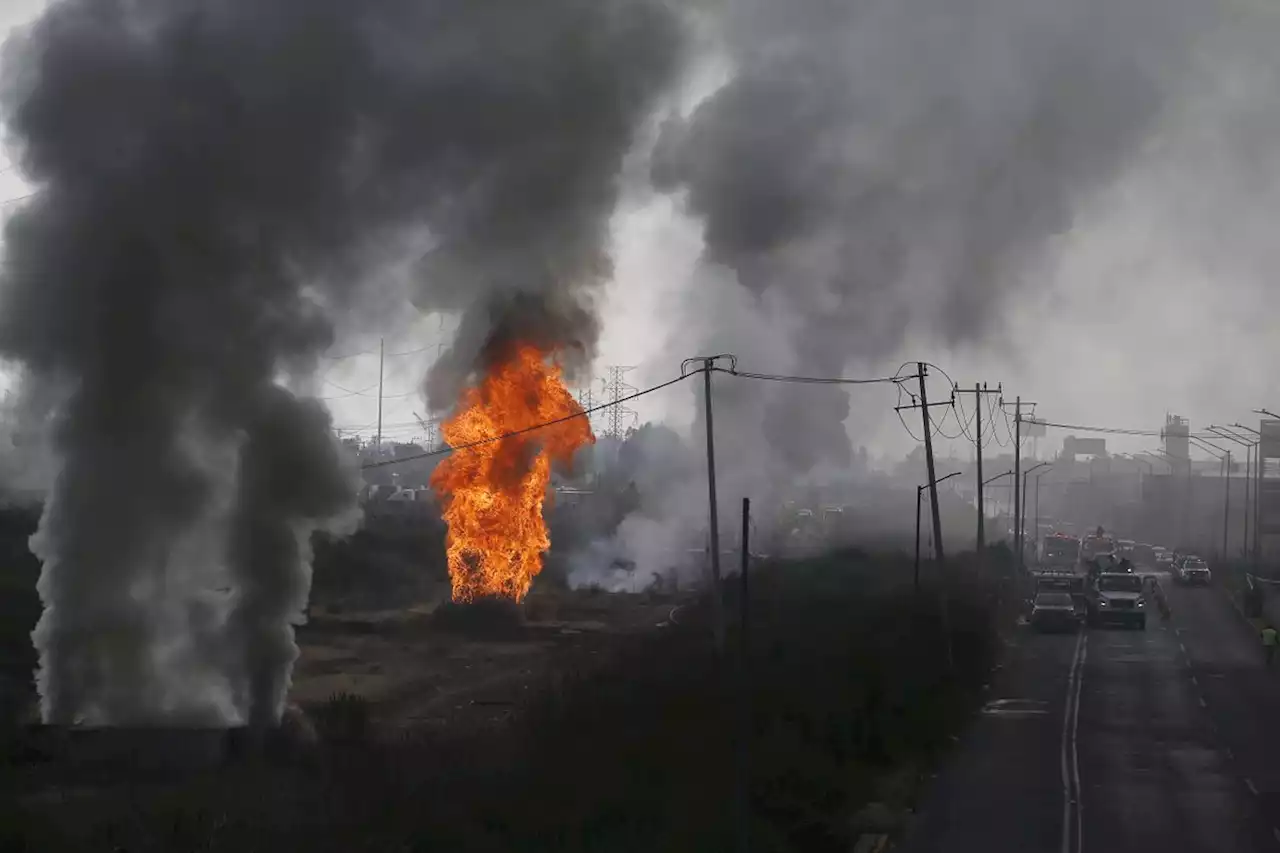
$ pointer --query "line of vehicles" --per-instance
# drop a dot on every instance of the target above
(1100, 580)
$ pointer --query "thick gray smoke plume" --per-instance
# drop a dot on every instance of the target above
(883, 163)
(216, 179)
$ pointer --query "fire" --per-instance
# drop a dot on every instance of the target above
(493, 493)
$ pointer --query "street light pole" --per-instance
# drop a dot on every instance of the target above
(1038, 476)
(937, 546)
(1022, 510)
(1257, 496)
(1224, 456)
(998, 477)
(1249, 481)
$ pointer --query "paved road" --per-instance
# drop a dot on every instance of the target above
(1113, 740)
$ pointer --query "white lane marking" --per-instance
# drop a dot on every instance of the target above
(1194, 681)
(1276, 833)
(1070, 756)
(1203, 704)
(1248, 783)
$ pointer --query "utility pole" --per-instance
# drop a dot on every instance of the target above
(744, 686)
(717, 600)
(382, 357)
(978, 392)
(928, 455)
(1017, 481)
(938, 553)
(717, 605)
(1017, 478)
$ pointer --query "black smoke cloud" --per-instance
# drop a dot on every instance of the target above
(872, 168)
(216, 181)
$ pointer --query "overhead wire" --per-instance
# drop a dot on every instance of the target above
(515, 433)
(810, 380)
(1145, 433)
(593, 409)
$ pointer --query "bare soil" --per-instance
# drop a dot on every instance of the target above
(416, 671)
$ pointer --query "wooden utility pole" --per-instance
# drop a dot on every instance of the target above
(928, 455)
(932, 485)
(923, 405)
(717, 602)
(978, 392)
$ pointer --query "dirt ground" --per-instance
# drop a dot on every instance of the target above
(416, 673)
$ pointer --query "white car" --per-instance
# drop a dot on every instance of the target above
(1192, 570)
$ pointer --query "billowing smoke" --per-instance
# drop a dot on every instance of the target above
(217, 184)
(882, 166)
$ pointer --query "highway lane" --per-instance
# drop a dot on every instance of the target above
(1241, 697)
(1154, 775)
(1161, 745)
(1003, 788)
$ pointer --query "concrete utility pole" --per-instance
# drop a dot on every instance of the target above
(1017, 478)
(382, 357)
(978, 392)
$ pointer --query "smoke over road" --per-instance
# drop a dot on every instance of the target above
(217, 182)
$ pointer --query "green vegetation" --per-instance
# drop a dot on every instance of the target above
(851, 700)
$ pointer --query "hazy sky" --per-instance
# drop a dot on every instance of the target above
(1158, 299)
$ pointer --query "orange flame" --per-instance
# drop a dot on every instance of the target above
(493, 493)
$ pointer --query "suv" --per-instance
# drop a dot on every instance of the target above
(1117, 598)
(1192, 570)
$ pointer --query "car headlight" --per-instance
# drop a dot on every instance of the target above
(1102, 602)
(1141, 603)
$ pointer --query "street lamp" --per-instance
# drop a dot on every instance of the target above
(1249, 447)
(919, 492)
(1225, 457)
(1186, 495)
(1008, 473)
(1022, 510)
(1257, 492)
(1038, 476)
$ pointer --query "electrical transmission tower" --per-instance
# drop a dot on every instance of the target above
(615, 389)
(587, 400)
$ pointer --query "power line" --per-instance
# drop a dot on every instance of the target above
(1145, 433)
(584, 413)
(812, 380)
(351, 355)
